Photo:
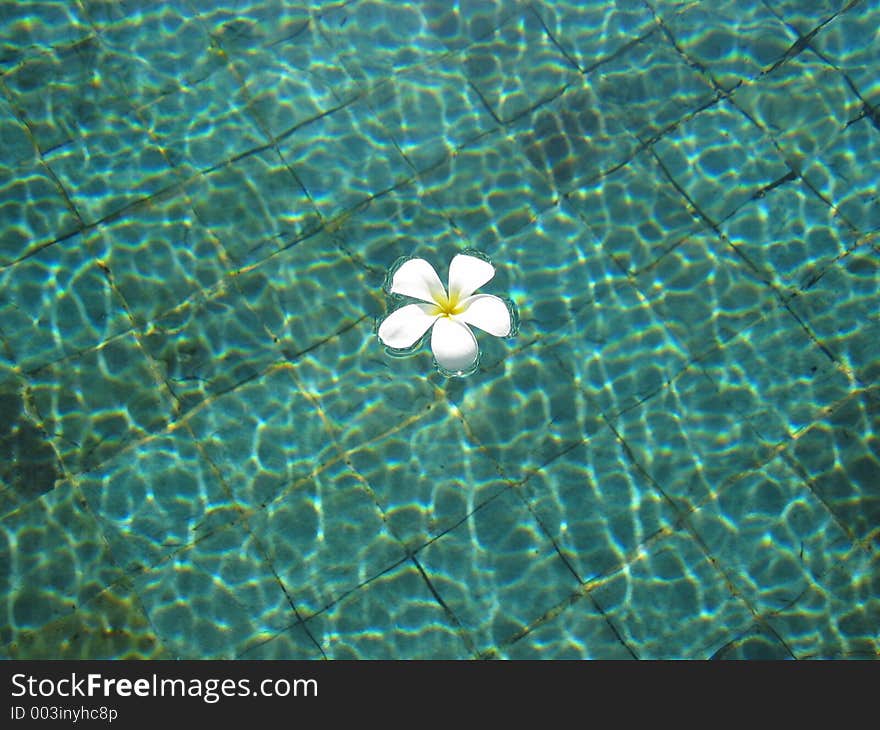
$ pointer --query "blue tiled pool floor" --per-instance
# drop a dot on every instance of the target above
(205, 451)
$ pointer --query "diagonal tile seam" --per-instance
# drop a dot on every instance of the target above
(123, 582)
(516, 488)
(683, 515)
(682, 524)
(602, 60)
(805, 41)
(412, 552)
(548, 339)
(181, 420)
(719, 237)
(121, 211)
(83, 226)
(240, 518)
(587, 589)
(95, 604)
(730, 95)
(332, 430)
(242, 515)
(32, 414)
(272, 143)
(870, 393)
(44, 166)
(798, 47)
(252, 645)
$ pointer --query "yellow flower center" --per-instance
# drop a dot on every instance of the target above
(446, 306)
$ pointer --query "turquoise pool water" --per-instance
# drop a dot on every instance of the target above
(205, 452)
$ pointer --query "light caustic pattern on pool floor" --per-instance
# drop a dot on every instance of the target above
(204, 450)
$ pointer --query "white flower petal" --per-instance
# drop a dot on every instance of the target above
(467, 274)
(416, 278)
(487, 312)
(403, 327)
(454, 345)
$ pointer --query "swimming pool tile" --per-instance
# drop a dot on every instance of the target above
(777, 396)
(841, 308)
(573, 141)
(208, 352)
(840, 459)
(325, 536)
(618, 323)
(647, 104)
(846, 171)
(837, 616)
(518, 67)
(497, 572)
(54, 559)
(94, 403)
(803, 105)
(112, 625)
(34, 210)
(394, 616)
(202, 126)
(297, 642)
(209, 345)
(362, 393)
(520, 420)
(292, 82)
(806, 18)
(231, 595)
(635, 213)
(689, 441)
(704, 293)
(590, 33)
(842, 41)
(596, 506)
(671, 602)
(374, 40)
(254, 206)
(429, 112)
(59, 303)
(757, 643)
(160, 259)
(26, 27)
(428, 476)
(344, 158)
(166, 48)
(29, 464)
(720, 159)
(18, 146)
(154, 500)
(306, 295)
(121, 150)
(259, 439)
(244, 27)
(494, 195)
(60, 96)
(546, 270)
(468, 21)
(771, 536)
(579, 631)
(392, 226)
(790, 251)
(731, 41)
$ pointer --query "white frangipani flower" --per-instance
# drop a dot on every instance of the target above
(452, 341)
